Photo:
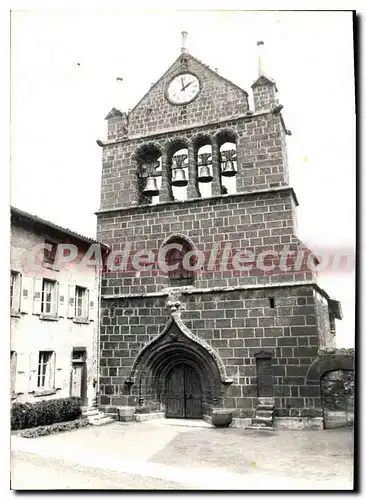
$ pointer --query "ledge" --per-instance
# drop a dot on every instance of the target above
(81, 321)
(136, 208)
(49, 317)
(15, 314)
(248, 115)
(192, 291)
(44, 392)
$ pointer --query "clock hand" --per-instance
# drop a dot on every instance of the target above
(182, 82)
(188, 84)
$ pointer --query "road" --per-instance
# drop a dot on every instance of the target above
(34, 472)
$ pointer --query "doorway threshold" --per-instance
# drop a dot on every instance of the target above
(181, 422)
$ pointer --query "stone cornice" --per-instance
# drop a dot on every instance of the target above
(163, 205)
(181, 128)
(196, 291)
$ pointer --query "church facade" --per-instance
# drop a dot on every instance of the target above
(195, 185)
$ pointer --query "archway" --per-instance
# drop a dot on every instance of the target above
(152, 379)
(337, 394)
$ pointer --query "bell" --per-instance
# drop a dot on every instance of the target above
(229, 170)
(179, 177)
(204, 175)
(151, 189)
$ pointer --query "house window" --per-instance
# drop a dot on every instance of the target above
(13, 368)
(45, 378)
(14, 291)
(50, 255)
(81, 302)
(49, 297)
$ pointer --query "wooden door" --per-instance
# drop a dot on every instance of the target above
(264, 378)
(76, 380)
(192, 392)
(175, 393)
(184, 398)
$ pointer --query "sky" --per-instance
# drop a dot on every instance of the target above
(64, 65)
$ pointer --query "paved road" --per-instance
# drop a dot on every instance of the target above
(167, 456)
(39, 473)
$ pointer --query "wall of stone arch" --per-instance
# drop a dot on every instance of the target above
(191, 142)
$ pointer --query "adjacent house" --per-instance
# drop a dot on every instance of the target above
(54, 311)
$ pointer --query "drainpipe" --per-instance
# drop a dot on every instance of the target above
(100, 274)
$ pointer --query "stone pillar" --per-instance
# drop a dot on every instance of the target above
(216, 168)
(192, 188)
(166, 181)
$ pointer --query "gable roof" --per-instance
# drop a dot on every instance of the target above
(187, 56)
(20, 215)
(263, 80)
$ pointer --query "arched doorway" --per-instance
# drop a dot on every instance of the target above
(337, 394)
(183, 392)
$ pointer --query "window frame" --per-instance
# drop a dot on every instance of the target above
(54, 298)
(84, 298)
(46, 366)
(49, 256)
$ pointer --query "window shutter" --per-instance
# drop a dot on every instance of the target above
(71, 302)
(37, 296)
(52, 371)
(93, 305)
(62, 298)
(61, 370)
(33, 371)
(21, 378)
(26, 296)
(16, 292)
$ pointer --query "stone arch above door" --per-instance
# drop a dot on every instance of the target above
(177, 345)
(173, 335)
(337, 359)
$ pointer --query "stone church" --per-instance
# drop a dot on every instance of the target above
(196, 179)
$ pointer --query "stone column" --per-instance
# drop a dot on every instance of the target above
(216, 168)
(192, 187)
(166, 182)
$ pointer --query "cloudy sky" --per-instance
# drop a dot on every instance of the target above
(64, 65)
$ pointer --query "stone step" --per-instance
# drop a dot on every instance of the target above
(89, 413)
(111, 415)
(265, 407)
(259, 427)
(98, 416)
(263, 413)
(260, 421)
(103, 421)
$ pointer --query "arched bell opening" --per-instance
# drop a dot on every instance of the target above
(177, 157)
(202, 147)
(228, 161)
(194, 369)
(149, 172)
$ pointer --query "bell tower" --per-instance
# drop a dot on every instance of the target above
(198, 211)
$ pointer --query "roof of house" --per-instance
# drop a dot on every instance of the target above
(20, 215)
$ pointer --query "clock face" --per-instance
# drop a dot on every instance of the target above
(183, 88)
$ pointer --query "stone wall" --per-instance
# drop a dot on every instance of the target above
(237, 325)
(257, 222)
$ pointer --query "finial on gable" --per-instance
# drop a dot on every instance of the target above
(184, 41)
(260, 59)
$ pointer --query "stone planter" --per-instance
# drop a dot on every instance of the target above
(221, 417)
(126, 413)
